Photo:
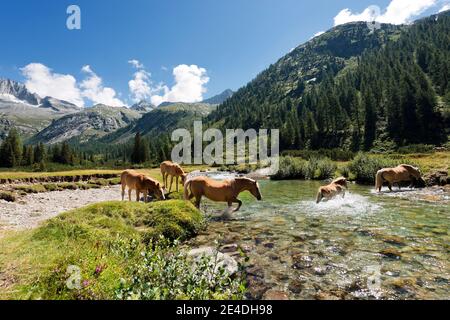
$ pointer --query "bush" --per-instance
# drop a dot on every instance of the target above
(325, 169)
(8, 196)
(164, 272)
(291, 168)
(365, 167)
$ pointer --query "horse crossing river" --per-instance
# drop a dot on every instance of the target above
(365, 246)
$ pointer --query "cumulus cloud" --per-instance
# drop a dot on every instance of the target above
(140, 85)
(42, 80)
(189, 85)
(190, 82)
(397, 12)
(93, 89)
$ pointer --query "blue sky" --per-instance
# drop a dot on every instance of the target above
(230, 42)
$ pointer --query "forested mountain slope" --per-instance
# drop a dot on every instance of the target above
(354, 89)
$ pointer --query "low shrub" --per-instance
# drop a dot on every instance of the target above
(364, 167)
(326, 169)
(291, 168)
(32, 188)
(8, 196)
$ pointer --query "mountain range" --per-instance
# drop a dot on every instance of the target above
(50, 120)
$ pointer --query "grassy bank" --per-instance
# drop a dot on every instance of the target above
(362, 168)
(116, 249)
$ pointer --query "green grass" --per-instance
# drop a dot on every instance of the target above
(8, 196)
(97, 239)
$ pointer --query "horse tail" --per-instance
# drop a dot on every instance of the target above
(187, 188)
(379, 180)
(122, 178)
(319, 196)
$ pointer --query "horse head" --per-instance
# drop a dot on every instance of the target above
(341, 181)
(250, 185)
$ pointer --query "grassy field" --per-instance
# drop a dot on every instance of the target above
(111, 245)
(154, 172)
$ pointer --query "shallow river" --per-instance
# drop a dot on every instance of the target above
(365, 246)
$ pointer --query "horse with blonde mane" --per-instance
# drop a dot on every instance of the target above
(141, 183)
(402, 173)
(335, 188)
(220, 191)
(168, 168)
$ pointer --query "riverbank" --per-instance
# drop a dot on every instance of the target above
(104, 251)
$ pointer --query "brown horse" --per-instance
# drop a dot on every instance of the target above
(335, 188)
(141, 183)
(399, 174)
(169, 168)
(220, 191)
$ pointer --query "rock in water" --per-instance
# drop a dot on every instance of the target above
(223, 260)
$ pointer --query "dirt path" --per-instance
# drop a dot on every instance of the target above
(32, 209)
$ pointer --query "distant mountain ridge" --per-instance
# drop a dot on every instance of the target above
(220, 98)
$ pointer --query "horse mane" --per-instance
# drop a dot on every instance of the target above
(410, 168)
(340, 181)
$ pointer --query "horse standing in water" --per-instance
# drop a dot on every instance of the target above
(399, 174)
(335, 188)
(220, 191)
(141, 183)
(168, 168)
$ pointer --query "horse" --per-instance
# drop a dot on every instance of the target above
(141, 183)
(402, 173)
(169, 168)
(220, 191)
(335, 188)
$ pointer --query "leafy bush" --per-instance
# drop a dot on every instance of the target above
(365, 167)
(291, 168)
(325, 169)
(164, 272)
(333, 154)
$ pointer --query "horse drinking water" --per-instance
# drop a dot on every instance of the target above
(141, 183)
(220, 191)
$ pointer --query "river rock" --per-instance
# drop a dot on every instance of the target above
(301, 262)
(275, 295)
(437, 178)
(229, 248)
(391, 253)
(296, 286)
(223, 260)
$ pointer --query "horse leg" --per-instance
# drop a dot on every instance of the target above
(138, 193)
(145, 196)
(390, 186)
(171, 182)
(123, 192)
(177, 182)
(239, 202)
(198, 199)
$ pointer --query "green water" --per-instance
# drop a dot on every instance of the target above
(367, 245)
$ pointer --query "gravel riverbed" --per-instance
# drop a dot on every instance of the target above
(32, 209)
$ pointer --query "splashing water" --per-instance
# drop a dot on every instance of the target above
(351, 204)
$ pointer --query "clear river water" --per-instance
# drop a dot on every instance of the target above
(365, 246)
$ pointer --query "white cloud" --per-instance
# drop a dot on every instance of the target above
(42, 80)
(135, 63)
(189, 85)
(397, 12)
(93, 89)
(140, 85)
(445, 8)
